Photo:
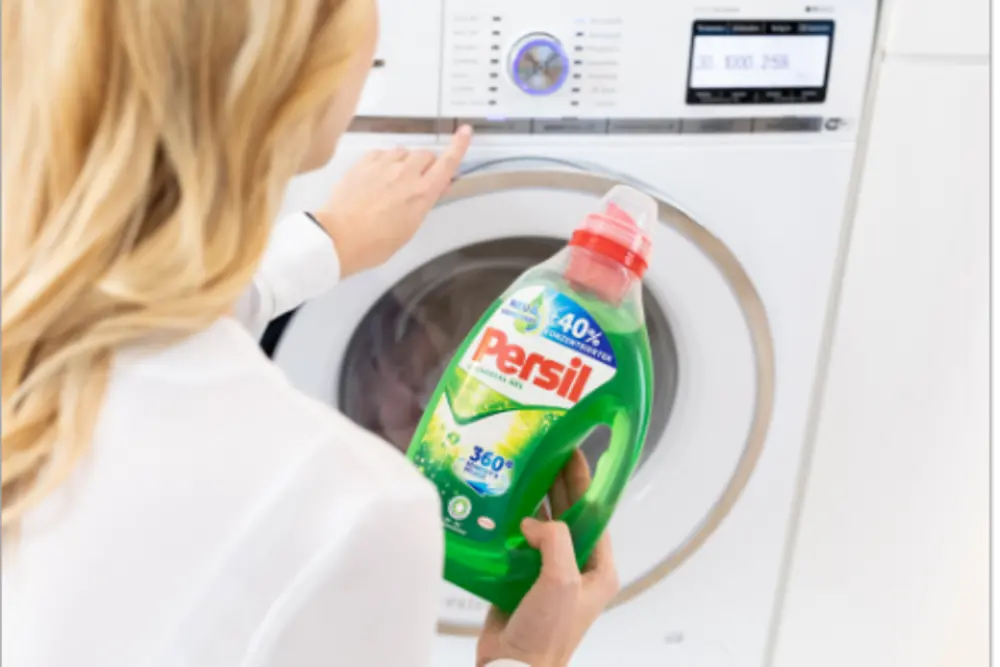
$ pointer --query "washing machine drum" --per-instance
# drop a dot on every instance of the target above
(376, 346)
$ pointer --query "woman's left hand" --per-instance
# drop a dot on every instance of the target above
(379, 204)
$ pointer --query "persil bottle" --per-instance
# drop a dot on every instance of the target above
(562, 351)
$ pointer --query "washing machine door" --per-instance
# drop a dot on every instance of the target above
(376, 346)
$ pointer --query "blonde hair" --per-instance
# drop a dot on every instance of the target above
(146, 145)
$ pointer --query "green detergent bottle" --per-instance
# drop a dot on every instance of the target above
(562, 351)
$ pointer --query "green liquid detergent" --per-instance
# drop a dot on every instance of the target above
(564, 350)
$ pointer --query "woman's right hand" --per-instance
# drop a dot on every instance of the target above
(557, 611)
(382, 200)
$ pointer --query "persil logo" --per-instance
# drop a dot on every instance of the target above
(568, 381)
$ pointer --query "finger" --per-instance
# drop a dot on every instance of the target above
(571, 483)
(418, 162)
(397, 154)
(439, 175)
(600, 576)
(559, 495)
(553, 539)
(601, 564)
(389, 155)
(576, 474)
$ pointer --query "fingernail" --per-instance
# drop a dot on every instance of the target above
(465, 129)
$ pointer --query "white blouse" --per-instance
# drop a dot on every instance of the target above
(223, 518)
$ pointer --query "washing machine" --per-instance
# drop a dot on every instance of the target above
(741, 118)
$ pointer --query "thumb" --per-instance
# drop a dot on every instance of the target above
(553, 540)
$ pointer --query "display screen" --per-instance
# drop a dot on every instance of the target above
(759, 62)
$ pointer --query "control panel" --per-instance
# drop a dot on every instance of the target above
(532, 59)
(629, 66)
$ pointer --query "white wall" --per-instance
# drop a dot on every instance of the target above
(890, 566)
(943, 29)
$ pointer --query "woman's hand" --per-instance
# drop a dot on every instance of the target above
(379, 204)
(552, 618)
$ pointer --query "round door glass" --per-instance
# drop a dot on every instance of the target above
(405, 342)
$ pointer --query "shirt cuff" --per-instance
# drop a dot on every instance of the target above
(300, 263)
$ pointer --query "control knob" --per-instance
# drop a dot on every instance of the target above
(538, 64)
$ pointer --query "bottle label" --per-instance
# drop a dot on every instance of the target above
(537, 356)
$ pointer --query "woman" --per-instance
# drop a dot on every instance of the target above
(168, 498)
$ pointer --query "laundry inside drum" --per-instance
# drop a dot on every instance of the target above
(404, 343)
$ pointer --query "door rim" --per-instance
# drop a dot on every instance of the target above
(496, 176)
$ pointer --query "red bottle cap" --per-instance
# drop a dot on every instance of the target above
(618, 242)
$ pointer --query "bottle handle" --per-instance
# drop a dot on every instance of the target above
(626, 427)
(608, 482)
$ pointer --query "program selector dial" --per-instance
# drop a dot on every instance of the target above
(538, 64)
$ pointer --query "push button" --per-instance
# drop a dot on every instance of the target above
(789, 124)
(715, 125)
(391, 125)
(644, 126)
(570, 126)
(498, 126)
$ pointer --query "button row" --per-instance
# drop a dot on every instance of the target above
(399, 125)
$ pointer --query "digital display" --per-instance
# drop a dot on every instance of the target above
(759, 62)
